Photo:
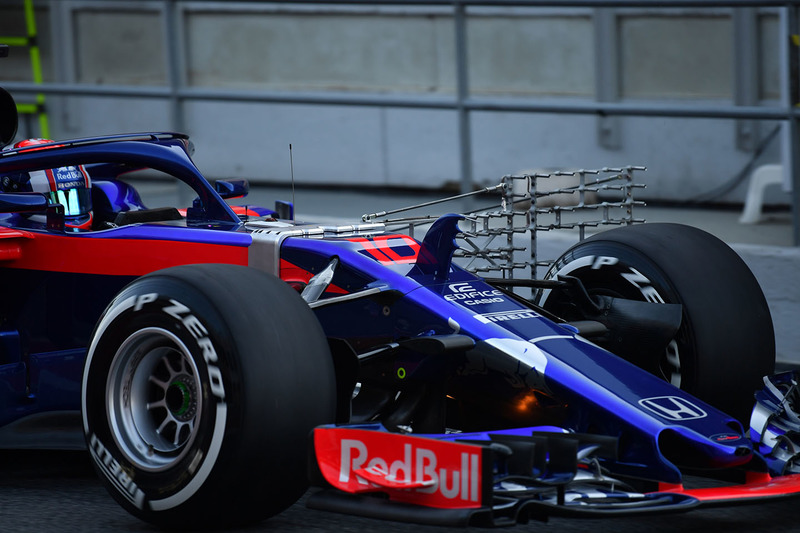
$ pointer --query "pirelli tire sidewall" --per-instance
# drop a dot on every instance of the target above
(130, 315)
(725, 344)
(265, 379)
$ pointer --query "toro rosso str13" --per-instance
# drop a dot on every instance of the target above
(222, 358)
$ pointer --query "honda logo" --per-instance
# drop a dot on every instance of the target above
(673, 408)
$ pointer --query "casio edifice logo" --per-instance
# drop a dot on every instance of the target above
(673, 408)
(466, 294)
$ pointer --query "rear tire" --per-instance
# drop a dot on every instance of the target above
(201, 385)
(726, 342)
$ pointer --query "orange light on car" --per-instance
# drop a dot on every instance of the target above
(527, 402)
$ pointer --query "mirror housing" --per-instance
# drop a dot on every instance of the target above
(22, 202)
(232, 188)
(33, 202)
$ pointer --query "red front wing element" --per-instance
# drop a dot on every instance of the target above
(408, 469)
(759, 486)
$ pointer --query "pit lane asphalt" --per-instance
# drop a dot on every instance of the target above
(42, 491)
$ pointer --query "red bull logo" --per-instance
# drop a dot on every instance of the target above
(411, 469)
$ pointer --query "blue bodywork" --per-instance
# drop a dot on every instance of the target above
(598, 391)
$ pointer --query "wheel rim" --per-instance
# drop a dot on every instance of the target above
(154, 399)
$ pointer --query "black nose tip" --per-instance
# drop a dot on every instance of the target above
(742, 451)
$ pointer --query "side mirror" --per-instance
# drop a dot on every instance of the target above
(33, 202)
(232, 188)
(22, 202)
(9, 120)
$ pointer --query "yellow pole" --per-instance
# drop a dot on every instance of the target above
(36, 66)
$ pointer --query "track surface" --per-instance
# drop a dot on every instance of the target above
(58, 491)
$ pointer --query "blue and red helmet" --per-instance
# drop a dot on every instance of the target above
(69, 186)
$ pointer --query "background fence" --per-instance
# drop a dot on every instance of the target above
(428, 94)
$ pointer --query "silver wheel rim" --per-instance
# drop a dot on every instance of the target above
(154, 399)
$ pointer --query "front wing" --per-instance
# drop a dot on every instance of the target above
(497, 478)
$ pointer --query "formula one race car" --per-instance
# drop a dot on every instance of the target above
(203, 346)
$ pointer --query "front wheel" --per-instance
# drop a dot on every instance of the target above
(725, 343)
(200, 388)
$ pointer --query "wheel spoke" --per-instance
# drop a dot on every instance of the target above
(168, 420)
(159, 404)
(157, 382)
(168, 365)
(179, 430)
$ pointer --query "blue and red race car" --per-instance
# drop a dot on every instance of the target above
(218, 359)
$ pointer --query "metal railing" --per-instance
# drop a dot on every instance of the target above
(177, 91)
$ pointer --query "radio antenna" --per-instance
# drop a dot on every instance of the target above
(291, 172)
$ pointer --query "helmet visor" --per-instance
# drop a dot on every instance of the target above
(76, 202)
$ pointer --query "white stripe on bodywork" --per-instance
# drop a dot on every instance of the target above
(550, 337)
(524, 351)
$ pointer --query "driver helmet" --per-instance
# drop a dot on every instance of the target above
(69, 186)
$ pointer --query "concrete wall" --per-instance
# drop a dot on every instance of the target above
(118, 47)
(663, 55)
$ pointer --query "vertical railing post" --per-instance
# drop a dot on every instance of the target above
(746, 73)
(462, 93)
(173, 35)
(607, 72)
(790, 68)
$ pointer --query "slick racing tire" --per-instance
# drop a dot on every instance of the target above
(200, 388)
(726, 342)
